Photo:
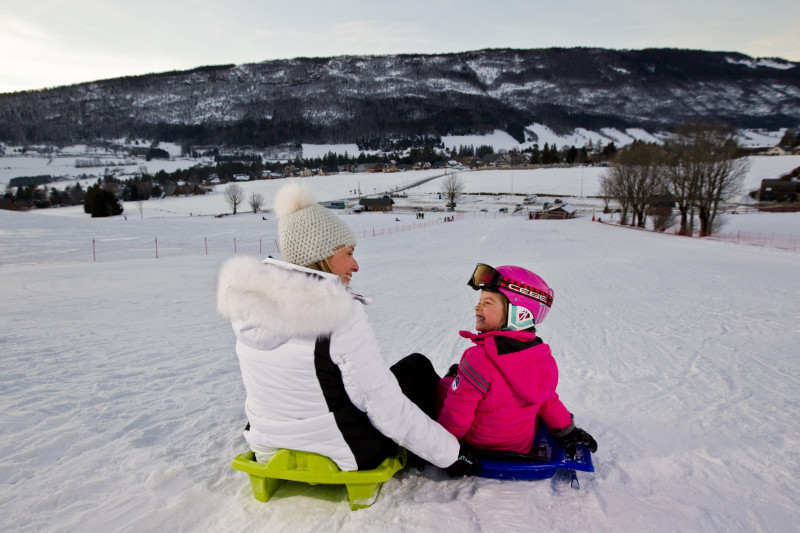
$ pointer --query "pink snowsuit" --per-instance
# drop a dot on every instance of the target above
(504, 382)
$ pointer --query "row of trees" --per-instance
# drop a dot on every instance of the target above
(697, 168)
(27, 196)
(235, 196)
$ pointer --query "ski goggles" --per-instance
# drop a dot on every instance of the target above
(486, 278)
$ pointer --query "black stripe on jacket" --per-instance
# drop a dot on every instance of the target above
(369, 446)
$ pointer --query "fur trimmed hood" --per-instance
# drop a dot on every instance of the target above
(271, 301)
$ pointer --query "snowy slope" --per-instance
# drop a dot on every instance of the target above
(123, 404)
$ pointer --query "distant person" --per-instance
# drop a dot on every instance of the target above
(312, 369)
(493, 399)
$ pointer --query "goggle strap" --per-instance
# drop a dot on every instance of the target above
(526, 290)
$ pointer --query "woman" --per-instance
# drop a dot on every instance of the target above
(311, 366)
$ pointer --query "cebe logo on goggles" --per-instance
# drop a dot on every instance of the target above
(487, 278)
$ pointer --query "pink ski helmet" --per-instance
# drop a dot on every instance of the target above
(529, 297)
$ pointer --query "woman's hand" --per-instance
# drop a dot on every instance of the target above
(467, 463)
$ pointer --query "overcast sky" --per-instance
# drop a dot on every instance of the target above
(46, 43)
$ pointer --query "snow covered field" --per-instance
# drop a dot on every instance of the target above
(123, 403)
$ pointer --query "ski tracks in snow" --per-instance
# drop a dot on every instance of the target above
(124, 404)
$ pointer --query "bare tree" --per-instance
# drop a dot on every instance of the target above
(683, 172)
(708, 168)
(452, 188)
(663, 217)
(234, 196)
(611, 186)
(256, 201)
(723, 180)
(634, 179)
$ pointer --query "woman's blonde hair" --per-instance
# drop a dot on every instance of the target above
(322, 265)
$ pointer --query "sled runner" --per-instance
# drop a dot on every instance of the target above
(541, 462)
(314, 469)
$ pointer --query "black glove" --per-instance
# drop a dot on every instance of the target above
(467, 463)
(453, 371)
(569, 439)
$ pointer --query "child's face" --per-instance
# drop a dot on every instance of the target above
(490, 313)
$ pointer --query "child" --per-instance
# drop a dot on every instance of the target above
(508, 379)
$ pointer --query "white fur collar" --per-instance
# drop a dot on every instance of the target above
(275, 299)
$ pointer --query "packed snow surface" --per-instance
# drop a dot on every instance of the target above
(123, 404)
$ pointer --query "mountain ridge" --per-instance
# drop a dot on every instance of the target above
(344, 99)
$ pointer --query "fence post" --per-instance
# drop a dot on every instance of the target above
(234, 246)
(94, 252)
(205, 240)
(259, 248)
(156, 247)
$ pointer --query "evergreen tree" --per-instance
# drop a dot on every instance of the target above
(550, 154)
(790, 139)
(555, 157)
(610, 149)
(483, 150)
(572, 155)
(101, 202)
(536, 155)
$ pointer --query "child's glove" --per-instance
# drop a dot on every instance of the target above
(467, 463)
(453, 371)
(571, 436)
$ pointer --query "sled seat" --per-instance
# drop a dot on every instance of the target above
(542, 462)
(314, 469)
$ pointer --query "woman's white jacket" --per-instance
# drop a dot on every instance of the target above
(279, 312)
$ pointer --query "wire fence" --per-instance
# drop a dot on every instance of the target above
(52, 248)
(767, 240)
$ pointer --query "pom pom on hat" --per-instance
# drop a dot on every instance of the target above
(307, 231)
(291, 198)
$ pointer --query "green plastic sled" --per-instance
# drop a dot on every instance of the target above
(315, 469)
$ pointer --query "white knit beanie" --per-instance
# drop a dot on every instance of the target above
(307, 231)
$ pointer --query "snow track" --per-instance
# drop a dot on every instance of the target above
(123, 403)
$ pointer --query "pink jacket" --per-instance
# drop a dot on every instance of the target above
(503, 383)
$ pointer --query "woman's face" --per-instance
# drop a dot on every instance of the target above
(490, 313)
(343, 264)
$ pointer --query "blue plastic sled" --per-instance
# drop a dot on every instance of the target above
(541, 463)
